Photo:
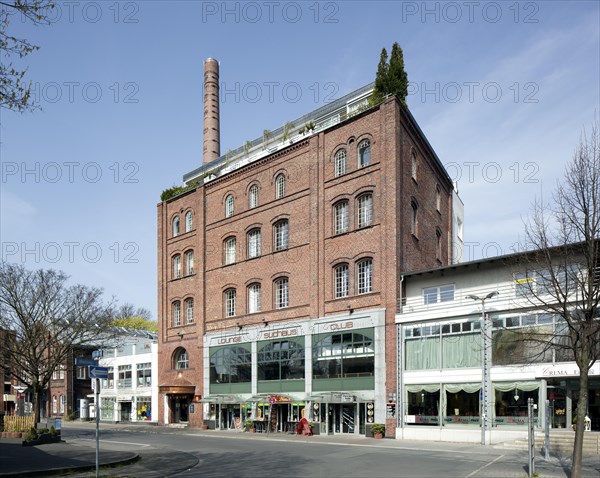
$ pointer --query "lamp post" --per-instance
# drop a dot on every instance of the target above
(486, 362)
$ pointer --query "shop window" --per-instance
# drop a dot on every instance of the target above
(230, 365)
(423, 405)
(511, 402)
(144, 408)
(462, 404)
(281, 360)
(344, 355)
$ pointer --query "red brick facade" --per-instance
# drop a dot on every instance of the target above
(311, 191)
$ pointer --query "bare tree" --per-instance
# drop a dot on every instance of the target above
(15, 93)
(127, 315)
(48, 318)
(562, 271)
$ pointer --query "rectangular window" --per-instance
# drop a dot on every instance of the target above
(365, 210)
(280, 232)
(176, 314)
(63, 401)
(124, 380)
(110, 381)
(189, 262)
(432, 295)
(189, 311)
(144, 375)
(524, 284)
(176, 266)
(254, 298)
(341, 217)
(230, 251)
(254, 243)
(230, 296)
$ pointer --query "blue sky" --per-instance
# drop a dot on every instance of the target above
(501, 89)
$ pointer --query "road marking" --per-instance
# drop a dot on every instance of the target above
(114, 441)
(484, 466)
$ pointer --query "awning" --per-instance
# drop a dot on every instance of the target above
(331, 397)
(177, 386)
(222, 398)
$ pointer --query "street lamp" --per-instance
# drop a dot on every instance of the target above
(486, 362)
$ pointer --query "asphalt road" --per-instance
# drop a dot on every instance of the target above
(181, 453)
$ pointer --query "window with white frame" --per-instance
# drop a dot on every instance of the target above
(253, 196)
(433, 295)
(229, 206)
(54, 405)
(176, 266)
(109, 383)
(279, 186)
(365, 276)
(340, 217)
(341, 280)
(365, 210)
(280, 235)
(81, 373)
(63, 402)
(175, 224)
(524, 283)
(438, 243)
(340, 163)
(144, 374)
(181, 359)
(254, 298)
(282, 298)
(364, 153)
(230, 299)
(176, 313)
(253, 243)
(188, 221)
(189, 263)
(124, 379)
(230, 246)
(438, 199)
(189, 311)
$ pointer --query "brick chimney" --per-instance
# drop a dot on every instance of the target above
(211, 149)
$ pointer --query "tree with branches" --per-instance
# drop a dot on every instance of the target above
(560, 273)
(15, 91)
(391, 78)
(46, 319)
(127, 315)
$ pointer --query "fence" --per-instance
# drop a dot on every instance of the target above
(18, 424)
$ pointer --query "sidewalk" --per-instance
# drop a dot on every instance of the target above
(54, 458)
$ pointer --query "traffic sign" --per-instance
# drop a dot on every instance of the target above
(98, 353)
(81, 361)
(98, 372)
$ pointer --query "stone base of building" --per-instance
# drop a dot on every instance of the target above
(448, 434)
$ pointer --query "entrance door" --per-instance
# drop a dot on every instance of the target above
(557, 396)
(343, 415)
(181, 407)
(125, 411)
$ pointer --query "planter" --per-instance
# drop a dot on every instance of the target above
(203, 427)
(252, 430)
(42, 440)
(378, 436)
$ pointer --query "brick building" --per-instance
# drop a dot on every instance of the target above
(280, 265)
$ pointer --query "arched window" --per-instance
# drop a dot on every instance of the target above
(340, 162)
(188, 221)
(176, 229)
(282, 297)
(279, 186)
(253, 239)
(364, 153)
(229, 206)
(340, 217)
(253, 196)
(189, 263)
(281, 360)
(180, 359)
(230, 299)
(365, 276)
(414, 219)
(230, 248)
(413, 165)
(176, 266)
(438, 243)
(340, 273)
(280, 235)
(344, 355)
(189, 311)
(231, 365)
(254, 298)
(176, 313)
(438, 199)
(365, 210)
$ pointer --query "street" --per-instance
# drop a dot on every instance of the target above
(190, 453)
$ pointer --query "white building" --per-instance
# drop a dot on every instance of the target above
(130, 393)
(440, 355)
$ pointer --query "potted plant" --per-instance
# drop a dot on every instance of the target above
(378, 430)
(250, 426)
(575, 423)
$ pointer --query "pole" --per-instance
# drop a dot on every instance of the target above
(547, 432)
(97, 408)
(530, 438)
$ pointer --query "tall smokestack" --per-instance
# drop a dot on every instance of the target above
(211, 149)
